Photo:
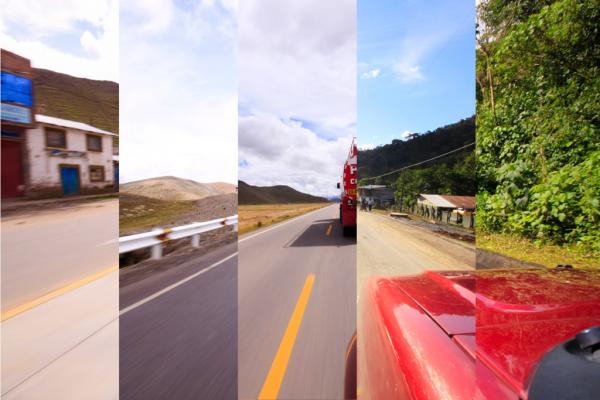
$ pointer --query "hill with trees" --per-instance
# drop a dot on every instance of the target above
(451, 174)
(538, 116)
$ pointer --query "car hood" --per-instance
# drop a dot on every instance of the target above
(517, 315)
(522, 314)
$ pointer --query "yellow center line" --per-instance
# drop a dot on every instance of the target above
(272, 384)
(329, 228)
(55, 293)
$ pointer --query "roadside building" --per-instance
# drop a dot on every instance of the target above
(18, 108)
(68, 157)
(382, 195)
(44, 156)
(458, 210)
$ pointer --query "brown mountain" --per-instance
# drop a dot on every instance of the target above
(171, 188)
(280, 194)
(84, 100)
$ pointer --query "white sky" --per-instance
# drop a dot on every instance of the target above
(176, 65)
(79, 38)
(178, 103)
(297, 72)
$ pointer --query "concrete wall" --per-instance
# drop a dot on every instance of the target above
(43, 169)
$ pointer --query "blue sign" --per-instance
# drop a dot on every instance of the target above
(13, 113)
(16, 89)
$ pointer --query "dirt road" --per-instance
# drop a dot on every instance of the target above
(391, 247)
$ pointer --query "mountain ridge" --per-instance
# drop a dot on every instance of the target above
(278, 194)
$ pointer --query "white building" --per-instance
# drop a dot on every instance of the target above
(66, 157)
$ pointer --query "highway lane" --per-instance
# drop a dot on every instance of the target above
(285, 334)
(47, 250)
(181, 344)
(65, 348)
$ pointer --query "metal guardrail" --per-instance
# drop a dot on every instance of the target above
(157, 237)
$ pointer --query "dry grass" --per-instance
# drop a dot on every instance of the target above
(525, 250)
(252, 217)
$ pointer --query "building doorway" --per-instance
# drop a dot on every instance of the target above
(69, 176)
(13, 184)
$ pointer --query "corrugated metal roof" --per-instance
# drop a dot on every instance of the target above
(437, 201)
(447, 201)
(65, 123)
(466, 202)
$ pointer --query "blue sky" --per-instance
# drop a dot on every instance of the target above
(416, 67)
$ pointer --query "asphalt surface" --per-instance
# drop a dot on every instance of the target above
(46, 250)
(183, 343)
(274, 264)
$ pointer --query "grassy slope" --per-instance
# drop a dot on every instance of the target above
(525, 250)
(84, 100)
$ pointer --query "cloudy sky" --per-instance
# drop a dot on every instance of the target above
(297, 92)
(416, 67)
(79, 38)
(178, 101)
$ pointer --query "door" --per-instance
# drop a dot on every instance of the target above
(12, 168)
(69, 175)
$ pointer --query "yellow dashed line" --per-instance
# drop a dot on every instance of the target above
(58, 292)
(329, 229)
(270, 389)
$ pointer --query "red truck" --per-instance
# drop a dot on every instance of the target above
(348, 196)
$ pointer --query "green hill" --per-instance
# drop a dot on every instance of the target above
(280, 194)
(398, 154)
(78, 99)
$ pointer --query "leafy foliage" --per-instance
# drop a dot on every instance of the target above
(538, 112)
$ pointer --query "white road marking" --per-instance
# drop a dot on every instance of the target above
(173, 286)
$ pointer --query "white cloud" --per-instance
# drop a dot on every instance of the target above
(371, 74)
(297, 62)
(408, 73)
(406, 134)
(368, 146)
(178, 101)
(284, 152)
(28, 26)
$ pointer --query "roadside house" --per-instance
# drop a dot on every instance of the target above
(68, 157)
(458, 210)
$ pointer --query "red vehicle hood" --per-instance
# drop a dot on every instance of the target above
(518, 315)
(522, 314)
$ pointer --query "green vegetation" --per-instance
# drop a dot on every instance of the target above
(538, 110)
(549, 255)
(453, 174)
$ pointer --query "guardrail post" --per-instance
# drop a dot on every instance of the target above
(157, 251)
(235, 227)
(195, 240)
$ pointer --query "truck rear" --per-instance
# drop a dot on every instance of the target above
(348, 201)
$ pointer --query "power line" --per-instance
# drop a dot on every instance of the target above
(421, 162)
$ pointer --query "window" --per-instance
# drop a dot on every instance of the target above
(56, 138)
(94, 143)
(96, 173)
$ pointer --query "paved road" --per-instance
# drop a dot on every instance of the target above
(44, 251)
(60, 303)
(181, 344)
(274, 269)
